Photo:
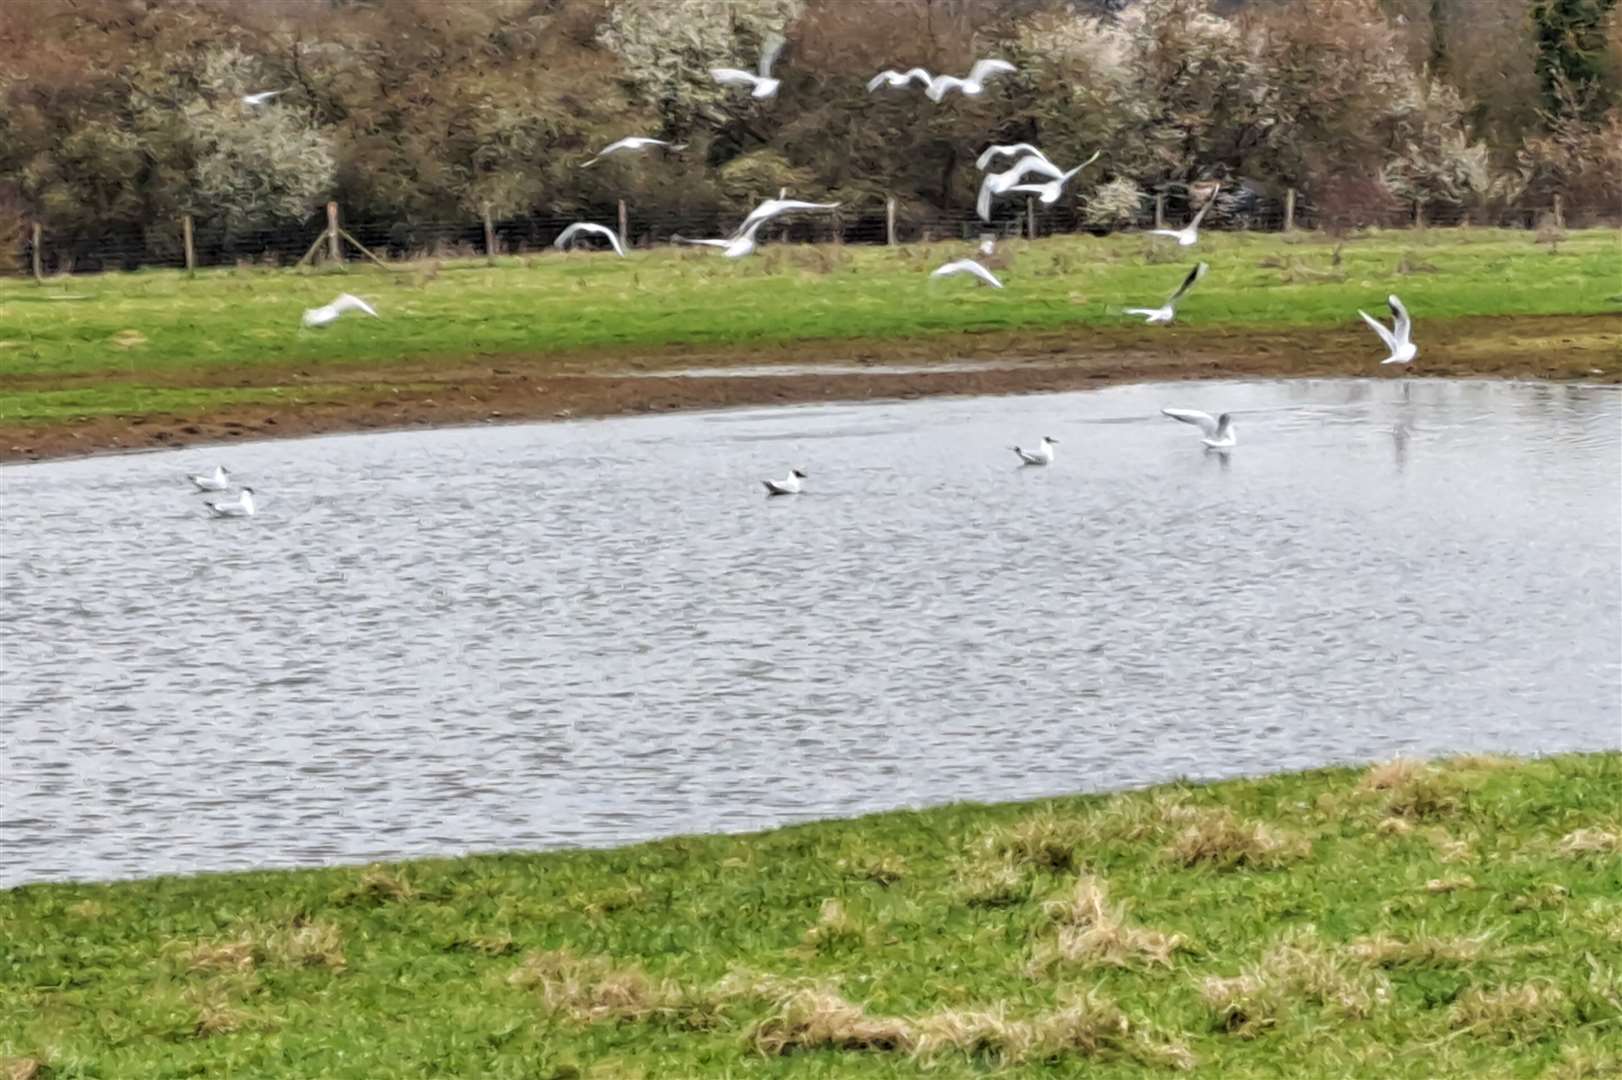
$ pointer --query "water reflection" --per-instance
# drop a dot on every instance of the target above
(588, 633)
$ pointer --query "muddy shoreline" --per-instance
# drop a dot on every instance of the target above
(506, 389)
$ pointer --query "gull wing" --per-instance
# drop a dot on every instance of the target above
(1033, 163)
(769, 52)
(982, 202)
(1193, 277)
(705, 243)
(984, 68)
(585, 226)
(1203, 420)
(733, 76)
(1224, 425)
(994, 152)
(1199, 217)
(1379, 328)
(1034, 189)
(1401, 326)
(348, 302)
(968, 266)
(883, 77)
(940, 84)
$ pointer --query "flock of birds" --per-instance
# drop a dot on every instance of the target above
(1032, 174)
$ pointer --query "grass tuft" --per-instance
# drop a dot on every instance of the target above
(834, 929)
(1043, 841)
(1219, 838)
(1092, 931)
(818, 1019)
(376, 885)
(28, 1068)
(1517, 1013)
(1385, 951)
(883, 870)
(991, 883)
(1414, 790)
(591, 989)
(1583, 843)
(1294, 973)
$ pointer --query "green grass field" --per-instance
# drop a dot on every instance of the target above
(1462, 919)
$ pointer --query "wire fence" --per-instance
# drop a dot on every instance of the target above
(185, 244)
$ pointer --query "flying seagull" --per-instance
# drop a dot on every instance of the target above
(1000, 183)
(321, 316)
(1189, 234)
(1168, 311)
(992, 153)
(970, 85)
(218, 480)
(776, 208)
(1219, 432)
(633, 142)
(789, 485)
(243, 507)
(1396, 339)
(893, 78)
(1048, 193)
(253, 101)
(734, 247)
(968, 266)
(764, 85)
(566, 237)
(1042, 455)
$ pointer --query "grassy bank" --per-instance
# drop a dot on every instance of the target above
(1462, 919)
(123, 343)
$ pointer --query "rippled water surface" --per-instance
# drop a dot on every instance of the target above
(587, 633)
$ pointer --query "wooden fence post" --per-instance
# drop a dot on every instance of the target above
(191, 250)
(1160, 210)
(333, 251)
(1289, 209)
(39, 258)
(625, 226)
(1559, 212)
(1419, 213)
(489, 236)
(889, 221)
(1030, 217)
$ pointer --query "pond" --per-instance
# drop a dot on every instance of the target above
(589, 633)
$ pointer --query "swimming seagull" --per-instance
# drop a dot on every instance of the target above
(998, 183)
(735, 247)
(789, 485)
(967, 266)
(218, 480)
(1008, 150)
(255, 100)
(893, 78)
(1168, 311)
(321, 316)
(1048, 193)
(1042, 455)
(1219, 432)
(970, 85)
(764, 85)
(1190, 233)
(634, 142)
(567, 236)
(776, 208)
(1396, 339)
(243, 507)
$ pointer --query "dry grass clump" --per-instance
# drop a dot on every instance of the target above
(235, 955)
(27, 1068)
(1217, 837)
(817, 1019)
(1092, 931)
(992, 883)
(1585, 842)
(1044, 841)
(885, 870)
(1415, 789)
(303, 944)
(1511, 1013)
(590, 989)
(1383, 950)
(608, 901)
(376, 885)
(834, 928)
(1450, 884)
(1293, 972)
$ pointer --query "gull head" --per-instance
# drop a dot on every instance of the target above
(1049, 439)
(798, 473)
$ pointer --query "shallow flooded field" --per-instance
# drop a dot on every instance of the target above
(588, 633)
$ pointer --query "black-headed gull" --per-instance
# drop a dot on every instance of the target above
(1219, 430)
(1168, 311)
(1042, 455)
(992, 153)
(763, 85)
(1396, 339)
(967, 266)
(218, 480)
(261, 98)
(321, 316)
(972, 84)
(789, 485)
(893, 78)
(566, 237)
(633, 142)
(243, 507)
(734, 247)
(999, 183)
(1189, 234)
(777, 208)
(1048, 193)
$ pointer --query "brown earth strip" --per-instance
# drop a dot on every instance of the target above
(502, 388)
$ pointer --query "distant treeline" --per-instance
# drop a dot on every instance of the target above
(119, 116)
